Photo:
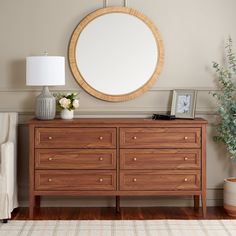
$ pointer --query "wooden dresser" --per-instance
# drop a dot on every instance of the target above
(117, 157)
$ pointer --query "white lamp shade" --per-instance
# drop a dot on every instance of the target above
(45, 71)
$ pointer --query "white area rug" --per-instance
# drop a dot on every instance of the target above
(120, 228)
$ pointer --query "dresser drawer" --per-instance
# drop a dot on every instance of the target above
(54, 180)
(75, 137)
(160, 180)
(75, 159)
(160, 137)
(160, 159)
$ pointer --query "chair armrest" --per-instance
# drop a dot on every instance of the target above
(8, 165)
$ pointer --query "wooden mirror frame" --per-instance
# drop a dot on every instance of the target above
(75, 70)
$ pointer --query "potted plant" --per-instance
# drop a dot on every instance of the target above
(226, 127)
(66, 104)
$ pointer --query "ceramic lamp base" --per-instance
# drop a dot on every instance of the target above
(45, 105)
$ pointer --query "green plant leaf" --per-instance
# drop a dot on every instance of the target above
(226, 100)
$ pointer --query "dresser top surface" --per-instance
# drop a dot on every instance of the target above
(109, 121)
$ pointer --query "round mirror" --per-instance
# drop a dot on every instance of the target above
(116, 53)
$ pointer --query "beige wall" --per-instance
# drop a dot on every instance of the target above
(193, 32)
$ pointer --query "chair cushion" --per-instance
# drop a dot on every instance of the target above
(4, 127)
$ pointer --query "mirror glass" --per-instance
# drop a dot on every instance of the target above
(114, 55)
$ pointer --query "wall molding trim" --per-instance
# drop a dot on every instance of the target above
(24, 115)
(153, 89)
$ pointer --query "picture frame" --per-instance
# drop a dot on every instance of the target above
(184, 103)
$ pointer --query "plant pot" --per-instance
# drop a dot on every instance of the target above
(230, 196)
(66, 114)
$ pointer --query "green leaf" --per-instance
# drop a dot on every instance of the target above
(226, 100)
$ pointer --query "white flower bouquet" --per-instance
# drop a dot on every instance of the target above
(67, 101)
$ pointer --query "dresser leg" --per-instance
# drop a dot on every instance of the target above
(118, 204)
(204, 207)
(32, 203)
(196, 202)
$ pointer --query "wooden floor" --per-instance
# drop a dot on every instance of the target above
(147, 213)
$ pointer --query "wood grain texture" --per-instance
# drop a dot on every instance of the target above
(75, 159)
(66, 180)
(163, 180)
(203, 196)
(164, 137)
(125, 213)
(75, 138)
(166, 162)
(160, 159)
(119, 122)
(73, 62)
(32, 198)
(132, 193)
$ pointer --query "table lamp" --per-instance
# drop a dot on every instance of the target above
(45, 71)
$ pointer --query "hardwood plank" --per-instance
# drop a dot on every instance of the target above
(126, 213)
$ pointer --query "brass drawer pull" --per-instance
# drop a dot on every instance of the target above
(50, 138)
(100, 159)
(134, 137)
(101, 180)
(101, 138)
(50, 158)
(185, 180)
(185, 138)
(185, 158)
(135, 159)
(134, 180)
(49, 180)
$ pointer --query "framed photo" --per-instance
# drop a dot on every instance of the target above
(184, 103)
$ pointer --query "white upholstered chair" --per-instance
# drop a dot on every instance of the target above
(8, 178)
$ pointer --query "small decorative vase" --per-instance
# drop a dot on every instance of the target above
(230, 196)
(66, 114)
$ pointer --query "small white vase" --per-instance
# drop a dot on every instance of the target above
(230, 196)
(66, 114)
